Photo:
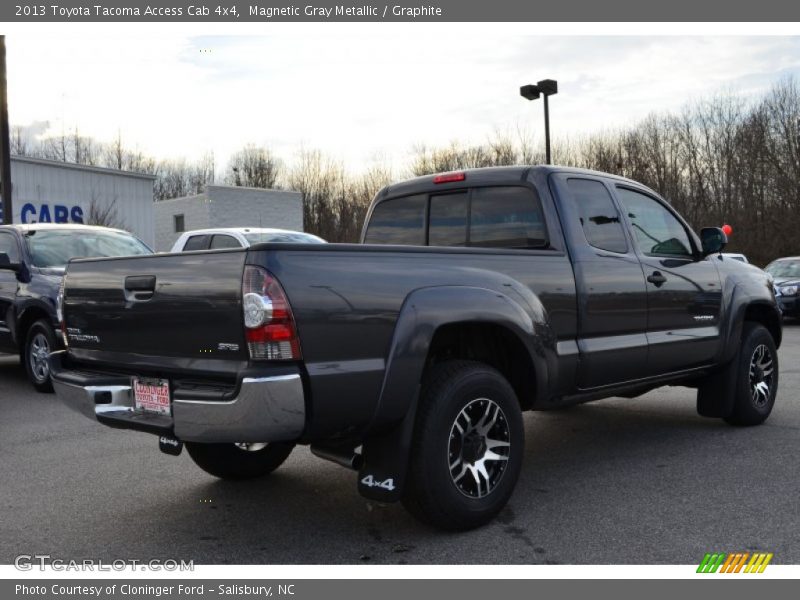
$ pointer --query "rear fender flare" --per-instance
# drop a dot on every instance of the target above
(387, 443)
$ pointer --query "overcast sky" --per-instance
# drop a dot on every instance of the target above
(359, 97)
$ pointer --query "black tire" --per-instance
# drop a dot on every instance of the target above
(452, 391)
(230, 461)
(40, 341)
(756, 377)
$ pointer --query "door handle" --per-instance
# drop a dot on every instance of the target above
(140, 287)
(657, 279)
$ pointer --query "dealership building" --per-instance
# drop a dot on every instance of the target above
(46, 191)
(226, 206)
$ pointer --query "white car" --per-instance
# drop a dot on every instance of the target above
(239, 237)
(736, 256)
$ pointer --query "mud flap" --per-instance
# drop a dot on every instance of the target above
(716, 394)
(170, 445)
(383, 473)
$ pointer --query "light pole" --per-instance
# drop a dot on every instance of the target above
(546, 88)
(5, 152)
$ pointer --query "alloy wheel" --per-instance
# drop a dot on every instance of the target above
(761, 375)
(478, 448)
(38, 356)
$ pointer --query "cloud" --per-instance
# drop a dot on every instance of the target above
(362, 95)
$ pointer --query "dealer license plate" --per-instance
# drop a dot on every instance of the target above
(151, 395)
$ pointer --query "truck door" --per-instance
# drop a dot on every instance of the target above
(683, 293)
(8, 290)
(612, 295)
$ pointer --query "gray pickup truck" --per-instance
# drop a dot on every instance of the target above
(474, 296)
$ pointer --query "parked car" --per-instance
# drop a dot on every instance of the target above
(785, 274)
(735, 256)
(474, 296)
(239, 237)
(32, 263)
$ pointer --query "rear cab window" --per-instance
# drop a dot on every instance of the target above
(448, 219)
(598, 216)
(487, 217)
(506, 217)
(398, 221)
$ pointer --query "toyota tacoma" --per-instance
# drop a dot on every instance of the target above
(410, 357)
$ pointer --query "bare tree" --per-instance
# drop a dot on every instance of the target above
(20, 144)
(253, 166)
(334, 201)
(114, 153)
(104, 214)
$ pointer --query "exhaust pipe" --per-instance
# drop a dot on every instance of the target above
(346, 457)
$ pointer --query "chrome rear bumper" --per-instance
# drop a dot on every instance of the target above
(265, 409)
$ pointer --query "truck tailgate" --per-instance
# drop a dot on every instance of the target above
(142, 310)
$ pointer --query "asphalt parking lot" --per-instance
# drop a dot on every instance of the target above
(614, 482)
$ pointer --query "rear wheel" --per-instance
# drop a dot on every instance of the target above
(467, 449)
(39, 343)
(757, 377)
(239, 461)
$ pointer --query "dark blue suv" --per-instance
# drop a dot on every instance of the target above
(786, 279)
(33, 259)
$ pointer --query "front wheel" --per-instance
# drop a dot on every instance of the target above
(756, 378)
(467, 448)
(239, 461)
(39, 343)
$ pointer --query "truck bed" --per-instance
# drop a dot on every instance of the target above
(345, 321)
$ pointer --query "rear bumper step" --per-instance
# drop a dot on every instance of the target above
(265, 409)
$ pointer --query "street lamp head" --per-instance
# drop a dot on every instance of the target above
(548, 87)
(531, 92)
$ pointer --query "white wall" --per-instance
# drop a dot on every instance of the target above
(254, 207)
(195, 211)
(228, 206)
(48, 190)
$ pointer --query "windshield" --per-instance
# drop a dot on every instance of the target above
(784, 268)
(283, 238)
(53, 249)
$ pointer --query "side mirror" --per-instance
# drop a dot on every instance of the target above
(713, 240)
(6, 264)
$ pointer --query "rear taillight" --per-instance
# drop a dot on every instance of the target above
(269, 325)
(60, 310)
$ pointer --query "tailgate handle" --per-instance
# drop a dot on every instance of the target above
(140, 287)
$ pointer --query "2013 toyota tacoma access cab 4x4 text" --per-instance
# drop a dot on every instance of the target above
(410, 357)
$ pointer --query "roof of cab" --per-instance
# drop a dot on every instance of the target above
(488, 176)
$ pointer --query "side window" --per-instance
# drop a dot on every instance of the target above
(8, 244)
(219, 242)
(656, 229)
(180, 223)
(398, 221)
(599, 218)
(448, 220)
(196, 242)
(506, 217)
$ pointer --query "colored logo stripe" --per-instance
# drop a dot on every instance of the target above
(711, 562)
(734, 562)
(758, 563)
